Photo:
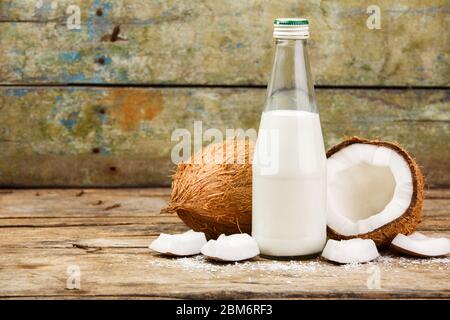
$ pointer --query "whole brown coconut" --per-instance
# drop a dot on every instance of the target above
(408, 221)
(214, 195)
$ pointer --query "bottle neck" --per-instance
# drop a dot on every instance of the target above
(291, 86)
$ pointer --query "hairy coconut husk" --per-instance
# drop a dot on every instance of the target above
(405, 224)
(214, 197)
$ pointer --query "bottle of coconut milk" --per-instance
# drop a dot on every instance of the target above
(289, 164)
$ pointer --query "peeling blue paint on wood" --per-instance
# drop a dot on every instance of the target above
(175, 42)
(71, 121)
(17, 92)
(70, 56)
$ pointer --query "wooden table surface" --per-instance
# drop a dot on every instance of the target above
(47, 234)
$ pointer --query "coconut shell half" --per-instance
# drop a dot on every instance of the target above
(408, 221)
(214, 196)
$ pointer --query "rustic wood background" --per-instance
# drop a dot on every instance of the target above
(96, 106)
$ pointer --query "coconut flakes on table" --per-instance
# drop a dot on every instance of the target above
(395, 263)
(200, 263)
(386, 263)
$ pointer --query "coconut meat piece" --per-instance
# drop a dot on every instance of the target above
(184, 244)
(236, 247)
(417, 244)
(368, 187)
(350, 251)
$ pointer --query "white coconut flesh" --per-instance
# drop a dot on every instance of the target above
(350, 251)
(184, 244)
(417, 244)
(368, 187)
(236, 247)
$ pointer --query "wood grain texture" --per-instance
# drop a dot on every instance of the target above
(221, 42)
(87, 136)
(45, 231)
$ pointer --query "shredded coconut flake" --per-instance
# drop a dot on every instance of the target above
(386, 263)
(200, 263)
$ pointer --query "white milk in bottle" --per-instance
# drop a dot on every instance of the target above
(289, 164)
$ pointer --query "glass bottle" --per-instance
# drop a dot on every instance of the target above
(289, 164)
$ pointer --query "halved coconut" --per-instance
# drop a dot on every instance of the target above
(236, 247)
(350, 251)
(184, 244)
(419, 245)
(375, 191)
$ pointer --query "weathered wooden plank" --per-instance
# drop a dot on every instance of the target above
(111, 272)
(221, 42)
(86, 204)
(92, 232)
(122, 136)
(435, 193)
(111, 252)
(137, 272)
(128, 232)
(68, 230)
(61, 219)
(57, 204)
(135, 202)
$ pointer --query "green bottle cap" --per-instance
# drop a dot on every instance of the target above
(291, 28)
(290, 21)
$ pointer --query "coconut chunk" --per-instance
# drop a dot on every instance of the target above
(184, 244)
(236, 247)
(350, 251)
(419, 245)
(374, 191)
